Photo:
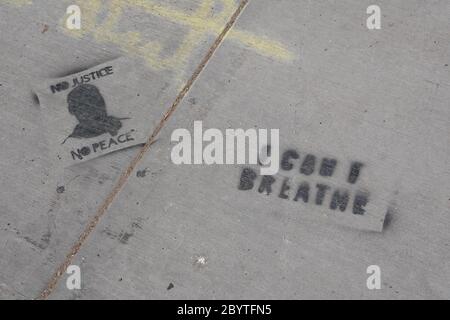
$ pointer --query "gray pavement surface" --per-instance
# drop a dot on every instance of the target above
(141, 227)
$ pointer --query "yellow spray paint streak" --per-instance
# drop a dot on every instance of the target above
(262, 45)
(201, 23)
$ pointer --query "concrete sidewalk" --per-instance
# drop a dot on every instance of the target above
(141, 227)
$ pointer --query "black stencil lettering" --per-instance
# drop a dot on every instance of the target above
(285, 187)
(355, 170)
(361, 200)
(308, 165)
(285, 163)
(302, 192)
(266, 184)
(321, 192)
(339, 200)
(327, 167)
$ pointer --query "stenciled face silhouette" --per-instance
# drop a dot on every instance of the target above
(88, 106)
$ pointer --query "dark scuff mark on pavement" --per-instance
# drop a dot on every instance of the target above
(170, 286)
(144, 173)
(389, 217)
(141, 173)
(35, 99)
(111, 234)
(123, 236)
(43, 243)
(45, 239)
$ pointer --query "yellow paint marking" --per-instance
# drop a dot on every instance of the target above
(201, 23)
(262, 45)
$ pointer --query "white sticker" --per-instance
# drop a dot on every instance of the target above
(93, 113)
